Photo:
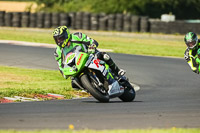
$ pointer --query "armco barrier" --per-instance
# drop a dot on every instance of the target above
(90, 21)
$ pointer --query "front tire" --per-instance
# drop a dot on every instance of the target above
(93, 91)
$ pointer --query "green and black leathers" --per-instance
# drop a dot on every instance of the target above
(192, 58)
(79, 39)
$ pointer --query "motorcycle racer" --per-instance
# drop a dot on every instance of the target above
(192, 53)
(63, 38)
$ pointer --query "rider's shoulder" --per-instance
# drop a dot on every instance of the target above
(78, 35)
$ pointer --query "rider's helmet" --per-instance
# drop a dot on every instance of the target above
(61, 36)
(191, 40)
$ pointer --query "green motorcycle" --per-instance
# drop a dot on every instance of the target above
(94, 76)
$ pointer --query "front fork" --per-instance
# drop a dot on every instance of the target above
(94, 77)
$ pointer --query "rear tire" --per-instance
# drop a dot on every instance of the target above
(129, 93)
(93, 91)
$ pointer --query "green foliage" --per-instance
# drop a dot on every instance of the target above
(183, 9)
(64, 5)
(19, 0)
(47, 3)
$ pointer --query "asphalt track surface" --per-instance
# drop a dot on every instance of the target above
(169, 96)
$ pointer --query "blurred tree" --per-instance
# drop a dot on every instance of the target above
(109, 6)
(183, 9)
(47, 3)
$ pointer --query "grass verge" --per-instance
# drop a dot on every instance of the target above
(120, 42)
(29, 82)
(172, 130)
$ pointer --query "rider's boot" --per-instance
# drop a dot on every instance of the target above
(118, 72)
(106, 57)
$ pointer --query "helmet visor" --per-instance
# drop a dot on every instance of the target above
(191, 44)
(60, 39)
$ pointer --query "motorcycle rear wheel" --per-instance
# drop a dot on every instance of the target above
(129, 93)
(93, 91)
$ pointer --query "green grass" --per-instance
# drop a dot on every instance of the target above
(120, 42)
(29, 82)
(144, 46)
(172, 130)
(30, 35)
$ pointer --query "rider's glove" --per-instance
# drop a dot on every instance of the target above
(92, 48)
(186, 55)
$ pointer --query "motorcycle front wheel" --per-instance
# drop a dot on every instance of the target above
(96, 93)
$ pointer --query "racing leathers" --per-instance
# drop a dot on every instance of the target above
(192, 57)
(89, 46)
